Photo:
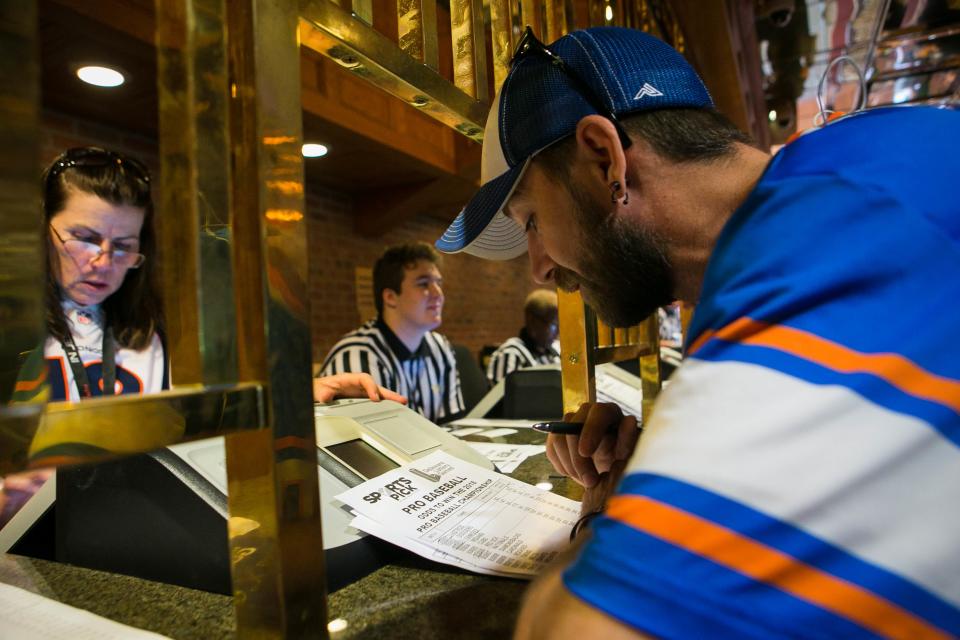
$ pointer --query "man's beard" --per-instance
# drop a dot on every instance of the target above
(624, 273)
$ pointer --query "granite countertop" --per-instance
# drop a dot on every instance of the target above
(412, 598)
(173, 611)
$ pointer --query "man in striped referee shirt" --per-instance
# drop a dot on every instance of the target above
(399, 349)
(535, 344)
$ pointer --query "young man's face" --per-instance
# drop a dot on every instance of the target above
(419, 303)
(573, 239)
(543, 330)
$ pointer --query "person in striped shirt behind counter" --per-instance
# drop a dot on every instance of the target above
(536, 343)
(399, 348)
(800, 476)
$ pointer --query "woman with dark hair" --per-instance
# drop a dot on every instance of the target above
(103, 315)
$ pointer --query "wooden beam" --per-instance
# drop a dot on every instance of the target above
(386, 209)
(351, 102)
(722, 46)
(134, 18)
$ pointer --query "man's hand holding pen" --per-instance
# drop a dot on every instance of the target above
(607, 436)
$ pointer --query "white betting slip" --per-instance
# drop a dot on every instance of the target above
(430, 553)
(496, 433)
(507, 457)
(476, 516)
(26, 616)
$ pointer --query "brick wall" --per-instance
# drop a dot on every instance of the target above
(484, 299)
(60, 132)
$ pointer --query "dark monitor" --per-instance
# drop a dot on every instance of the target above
(362, 458)
(534, 394)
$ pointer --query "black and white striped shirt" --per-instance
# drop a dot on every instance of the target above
(517, 353)
(427, 377)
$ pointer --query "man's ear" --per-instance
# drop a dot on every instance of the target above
(390, 298)
(599, 149)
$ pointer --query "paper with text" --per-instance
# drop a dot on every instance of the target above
(628, 398)
(385, 533)
(477, 516)
(26, 616)
(507, 457)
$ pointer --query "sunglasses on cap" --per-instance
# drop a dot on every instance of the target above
(529, 44)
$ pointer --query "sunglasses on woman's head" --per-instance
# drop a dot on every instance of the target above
(96, 157)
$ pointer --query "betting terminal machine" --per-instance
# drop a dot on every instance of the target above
(163, 516)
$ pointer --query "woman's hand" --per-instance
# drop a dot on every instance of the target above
(352, 385)
(607, 437)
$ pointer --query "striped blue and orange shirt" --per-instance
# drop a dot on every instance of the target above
(800, 477)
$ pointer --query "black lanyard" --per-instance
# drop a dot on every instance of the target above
(108, 375)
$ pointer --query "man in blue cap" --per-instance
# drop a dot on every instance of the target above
(800, 475)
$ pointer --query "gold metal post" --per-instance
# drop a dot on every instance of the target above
(578, 335)
(417, 29)
(194, 194)
(650, 380)
(500, 33)
(21, 248)
(686, 317)
(597, 18)
(530, 16)
(621, 337)
(363, 10)
(604, 334)
(480, 63)
(556, 19)
(550, 11)
(469, 55)
(273, 493)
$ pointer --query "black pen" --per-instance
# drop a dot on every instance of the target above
(560, 427)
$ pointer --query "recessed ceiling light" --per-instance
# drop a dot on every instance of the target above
(100, 76)
(608, 13)
(312, 150)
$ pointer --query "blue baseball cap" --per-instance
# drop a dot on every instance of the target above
(539, 104)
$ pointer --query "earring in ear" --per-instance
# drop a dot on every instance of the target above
(614, 188)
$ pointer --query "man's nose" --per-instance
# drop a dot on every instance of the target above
(541, 264)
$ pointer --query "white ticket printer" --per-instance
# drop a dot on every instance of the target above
(356, 440)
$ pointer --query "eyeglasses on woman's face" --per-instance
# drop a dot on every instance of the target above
(85, 251)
